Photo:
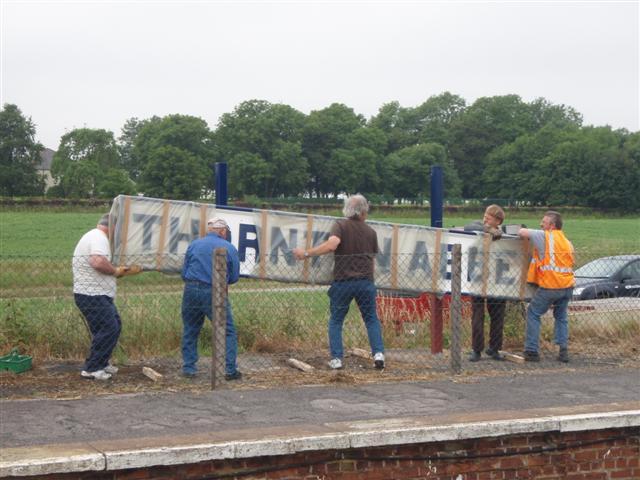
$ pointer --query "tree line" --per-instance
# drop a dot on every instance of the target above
(534, 152)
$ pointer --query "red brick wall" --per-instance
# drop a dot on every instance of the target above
(591, 455)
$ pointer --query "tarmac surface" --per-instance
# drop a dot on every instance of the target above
(31, 423)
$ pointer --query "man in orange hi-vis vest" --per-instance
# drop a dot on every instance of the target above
(552, 270)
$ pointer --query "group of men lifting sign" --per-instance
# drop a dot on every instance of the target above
(354, 245)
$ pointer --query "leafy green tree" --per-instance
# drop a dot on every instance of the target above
(393, 120)
(592, 171)
(544, 113)
(485, 125)
(83, 158)
(325, 132)
(126, 143)
(79, 179)
(511, 168)
(593, 167)
(494, 121)
(174, 173)
(434, 117)
(289, 170)
(248, 172)
(19, 154)
(630, 163)
(186, 137)
(115, 182)
(363, 167)
(429, 122)
(271, 133)
(409, 172)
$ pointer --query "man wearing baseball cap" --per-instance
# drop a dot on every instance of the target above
(196, 300)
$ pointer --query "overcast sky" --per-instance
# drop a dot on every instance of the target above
(92, 64)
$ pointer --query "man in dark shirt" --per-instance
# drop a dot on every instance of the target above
(196, 300)
(355, 245)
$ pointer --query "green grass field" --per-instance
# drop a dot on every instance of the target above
(55, 234)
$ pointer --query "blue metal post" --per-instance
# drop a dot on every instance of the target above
(437, 196)
(436, 203)
(221, 183)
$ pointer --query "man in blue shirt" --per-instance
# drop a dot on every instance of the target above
(196, 300)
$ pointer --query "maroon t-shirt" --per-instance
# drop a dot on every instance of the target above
(356, 252)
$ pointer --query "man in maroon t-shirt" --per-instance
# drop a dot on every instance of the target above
(355, 245)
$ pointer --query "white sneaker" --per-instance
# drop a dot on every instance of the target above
(111, 369)
(335, 363)
(378, 360)
(97, 375)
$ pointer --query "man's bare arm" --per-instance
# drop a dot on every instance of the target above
(327, 246)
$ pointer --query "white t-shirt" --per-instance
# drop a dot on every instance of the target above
(86, 279)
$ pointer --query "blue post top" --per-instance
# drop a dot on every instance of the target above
(221, 183)
(437, 196)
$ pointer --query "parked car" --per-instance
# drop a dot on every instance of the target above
(606, 277)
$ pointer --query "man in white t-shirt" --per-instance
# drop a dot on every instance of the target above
(94, 288)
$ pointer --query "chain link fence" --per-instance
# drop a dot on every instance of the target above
(282, 328)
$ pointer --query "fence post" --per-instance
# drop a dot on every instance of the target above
(218, 315)
(456, 308)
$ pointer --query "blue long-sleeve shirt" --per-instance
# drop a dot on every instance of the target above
(197, 261)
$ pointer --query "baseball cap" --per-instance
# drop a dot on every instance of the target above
(217, 222)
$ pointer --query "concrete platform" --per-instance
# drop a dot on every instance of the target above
(110, 433)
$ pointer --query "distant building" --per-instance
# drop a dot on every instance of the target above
(44, 168)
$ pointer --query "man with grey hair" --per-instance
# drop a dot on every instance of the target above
(355, 245)
(94, 289)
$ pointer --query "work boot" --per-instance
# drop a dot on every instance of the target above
(563, 355)
(495, 354)
(474, 356)
(531, 356)
(233, 376)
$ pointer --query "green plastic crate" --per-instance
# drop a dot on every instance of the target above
(15, 362)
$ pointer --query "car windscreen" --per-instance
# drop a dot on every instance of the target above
(602, 267)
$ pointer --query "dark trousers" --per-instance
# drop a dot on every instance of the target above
(496, 309)
(105, 325)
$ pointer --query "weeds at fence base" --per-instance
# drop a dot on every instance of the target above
(61, 379)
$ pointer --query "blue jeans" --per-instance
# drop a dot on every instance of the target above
(105, 326)
(196, 304)
(340, 296)
(540, 303)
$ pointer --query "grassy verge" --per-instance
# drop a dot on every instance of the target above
(268, 321)
(55, 234)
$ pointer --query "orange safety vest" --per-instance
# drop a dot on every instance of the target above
(555, 270)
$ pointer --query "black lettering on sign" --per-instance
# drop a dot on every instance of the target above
(278, 242)
(420, 258)
(175, 236)
(244, 242)
(148, 221)
(502, 268)
(474, 265)
(383, 259)
(445, 261)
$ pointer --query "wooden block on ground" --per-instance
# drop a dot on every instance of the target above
(151, 373)
(512, 357)
(359, 352)
(305, 367)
